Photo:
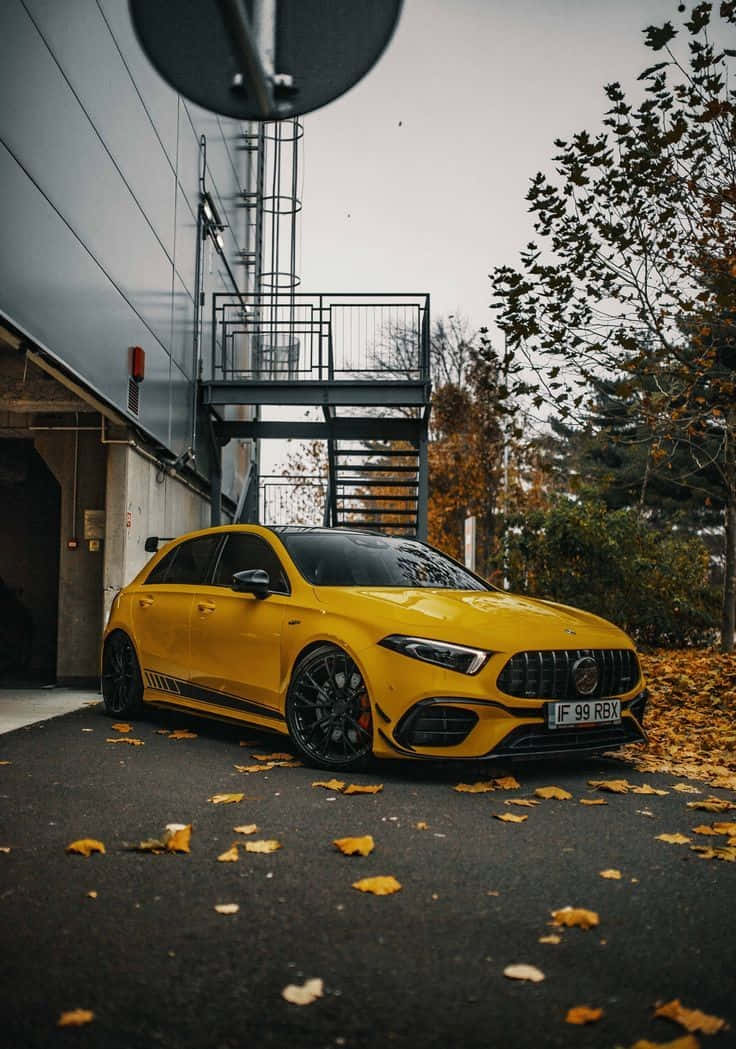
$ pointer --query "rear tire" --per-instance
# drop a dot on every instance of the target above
(122, 684)
(328, 711)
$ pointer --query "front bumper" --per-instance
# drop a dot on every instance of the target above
(481, 722)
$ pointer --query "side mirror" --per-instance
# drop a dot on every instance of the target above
(254, 581)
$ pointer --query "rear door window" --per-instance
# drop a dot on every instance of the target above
(190, 563)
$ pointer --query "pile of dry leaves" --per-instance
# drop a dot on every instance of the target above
(691, 717)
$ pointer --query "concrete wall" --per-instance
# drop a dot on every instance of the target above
(80, 569)
(142, 501)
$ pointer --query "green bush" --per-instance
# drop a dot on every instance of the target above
(651, 582)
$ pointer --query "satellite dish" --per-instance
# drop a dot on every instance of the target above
(263, 59)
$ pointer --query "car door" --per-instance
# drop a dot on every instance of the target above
(236, 637)
(162, 612)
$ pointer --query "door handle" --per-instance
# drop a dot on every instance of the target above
(206, 607)
(144, 602)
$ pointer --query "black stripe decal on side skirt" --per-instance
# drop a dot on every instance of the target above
(187, 690)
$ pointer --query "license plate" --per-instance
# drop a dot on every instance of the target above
(584, 712)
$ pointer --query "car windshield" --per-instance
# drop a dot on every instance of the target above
(360, 559)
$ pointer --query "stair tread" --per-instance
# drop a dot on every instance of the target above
(376, 468)
(388, 452)
(386, 483)
(370, 512)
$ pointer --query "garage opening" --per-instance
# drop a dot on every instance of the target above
(30, 518)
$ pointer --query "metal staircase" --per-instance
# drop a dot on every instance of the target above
(375, 486)
(364, 359)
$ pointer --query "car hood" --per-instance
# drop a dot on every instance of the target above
(494, 620)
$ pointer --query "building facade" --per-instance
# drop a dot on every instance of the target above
(123, 208)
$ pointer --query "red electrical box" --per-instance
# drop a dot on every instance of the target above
(138, 363)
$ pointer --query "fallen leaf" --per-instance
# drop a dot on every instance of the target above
(718, 852)
(527, 803)
(507, 783)
(552, 938)
(704, 828)
(712, 805)
(524, 972)
(178, 837)
(610, 872)
(122, 726)
(246, 828)
(227, 908)
(614, 786)
(182, 733)
(288, 764)
(162, 731)
(553, 792)
(5, 848)
(724, 827)
(305, 994)
(583, 1014)
(686, 788)
(87, 730)
(155, 845)
(75, 1018)
(690, 1019)
(593, 801)
(253, 768)
(361, 788)
(645, 812)
(273, 757)
(225, 799)
(330, 784)
(481, 787)
(6, 762)
(575, 916)
(686, 1042)
(355, 846)
(230, 856)
(382, 885)
(92, 894)
(262, 846)
(126, 739)
(510, 817)
(175, 838)
(85, 846)
(646, 788)
(422, 825)
(673, 839)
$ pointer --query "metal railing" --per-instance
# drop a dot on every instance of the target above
(321, 337)
(292, 499)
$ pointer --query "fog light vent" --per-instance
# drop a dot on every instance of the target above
(435, 725)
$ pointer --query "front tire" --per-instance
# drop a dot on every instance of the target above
(328, 711)
(122, 684)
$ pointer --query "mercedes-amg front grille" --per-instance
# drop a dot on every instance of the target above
(547, 674)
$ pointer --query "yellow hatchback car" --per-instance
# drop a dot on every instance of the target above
(358, 644)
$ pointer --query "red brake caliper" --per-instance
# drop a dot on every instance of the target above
(364, 720)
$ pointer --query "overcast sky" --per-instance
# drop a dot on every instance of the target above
(415, 179)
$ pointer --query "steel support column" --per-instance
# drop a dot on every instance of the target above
(423, 481)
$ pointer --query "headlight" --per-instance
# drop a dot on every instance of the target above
(442, 653)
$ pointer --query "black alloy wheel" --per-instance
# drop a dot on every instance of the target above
(328, 711)
(122, 685)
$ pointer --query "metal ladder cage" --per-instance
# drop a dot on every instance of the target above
(275, 329)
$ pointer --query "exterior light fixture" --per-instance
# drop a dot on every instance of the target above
(137, 363)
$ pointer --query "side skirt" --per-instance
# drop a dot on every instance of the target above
(184, 695)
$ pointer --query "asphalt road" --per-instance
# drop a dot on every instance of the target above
(159, 967)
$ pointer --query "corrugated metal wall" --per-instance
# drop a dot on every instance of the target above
(98, 205)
